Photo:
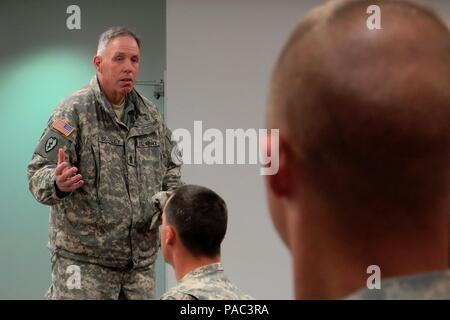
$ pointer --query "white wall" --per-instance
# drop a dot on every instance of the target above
(219, 57)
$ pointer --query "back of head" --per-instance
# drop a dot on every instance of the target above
(199, 215)
(367, 112)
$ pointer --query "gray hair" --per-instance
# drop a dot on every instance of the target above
(113, 33)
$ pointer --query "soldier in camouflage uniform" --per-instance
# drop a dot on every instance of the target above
(361, 198)
(105, 152)
(194, 223)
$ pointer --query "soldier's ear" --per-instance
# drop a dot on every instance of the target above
(170, 235)
(97, 60)
(281, 182)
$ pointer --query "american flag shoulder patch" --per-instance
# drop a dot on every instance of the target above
(63, 126)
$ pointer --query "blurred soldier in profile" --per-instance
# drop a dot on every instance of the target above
(364, 162)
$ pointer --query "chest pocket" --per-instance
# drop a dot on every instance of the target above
(111, 177)
(148, 141)
(150, 171)
(148, 152)
(111, 153)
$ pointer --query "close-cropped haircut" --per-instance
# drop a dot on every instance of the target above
(112, 33)
(199, 215)
(367, 111)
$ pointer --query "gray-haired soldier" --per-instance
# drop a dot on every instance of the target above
(194, 223)
(104, 153)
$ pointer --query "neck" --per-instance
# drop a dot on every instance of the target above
(185, 263)
(119, 103)
(112, 96)
(331, 261)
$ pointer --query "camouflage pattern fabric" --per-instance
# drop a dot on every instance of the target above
(422, 286)
(205, 283)
(76, 280)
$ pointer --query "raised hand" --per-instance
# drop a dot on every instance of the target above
(67, 179)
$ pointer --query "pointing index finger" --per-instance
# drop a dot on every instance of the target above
(61, 156)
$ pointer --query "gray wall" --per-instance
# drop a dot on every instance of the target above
(41, 61)
(30, 26)
(219, 58)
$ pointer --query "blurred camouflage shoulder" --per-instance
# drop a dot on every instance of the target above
(421, 286)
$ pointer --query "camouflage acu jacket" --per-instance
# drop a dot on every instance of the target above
(110, 220)
(205, 283)
(421, 286)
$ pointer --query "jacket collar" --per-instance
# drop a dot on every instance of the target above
(143, 116)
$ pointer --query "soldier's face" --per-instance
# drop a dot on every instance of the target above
(118, 67)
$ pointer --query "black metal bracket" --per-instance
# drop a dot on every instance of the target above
(158, 92)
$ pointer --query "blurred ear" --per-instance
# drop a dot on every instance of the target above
(170, 235)
(281, 183)
(97, 60)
